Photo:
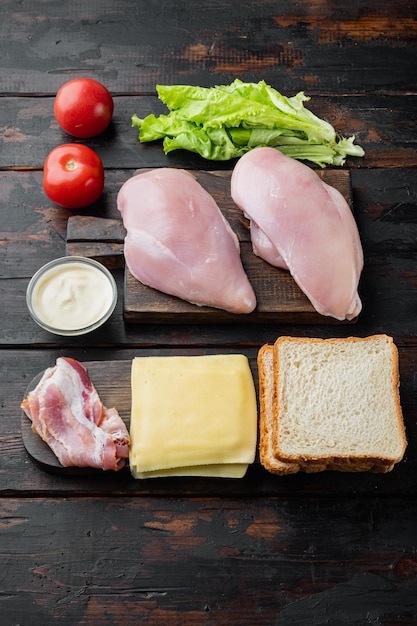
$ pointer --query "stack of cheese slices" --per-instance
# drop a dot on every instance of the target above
(330, 404)
(192, 416)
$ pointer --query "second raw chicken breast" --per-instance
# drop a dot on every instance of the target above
(300, 223)
(179, 242)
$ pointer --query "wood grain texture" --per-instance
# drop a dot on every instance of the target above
(382, 123)
(112, 380)
(196, 563)
(349, 47)
(301, 551)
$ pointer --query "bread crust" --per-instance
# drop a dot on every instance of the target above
(266, 403)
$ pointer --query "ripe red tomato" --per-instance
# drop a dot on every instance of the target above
(83, 107)
(73, 176)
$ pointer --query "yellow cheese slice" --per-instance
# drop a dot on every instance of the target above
(191, 415)
(225, 470)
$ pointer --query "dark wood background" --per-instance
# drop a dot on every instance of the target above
(104, 549)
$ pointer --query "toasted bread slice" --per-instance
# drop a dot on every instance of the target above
(337, 403)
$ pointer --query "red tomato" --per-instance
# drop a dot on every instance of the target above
(73, 176)
(83, 107)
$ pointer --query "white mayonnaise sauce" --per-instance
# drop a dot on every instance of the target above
(72, 296)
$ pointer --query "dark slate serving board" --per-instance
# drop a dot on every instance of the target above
(112, 379)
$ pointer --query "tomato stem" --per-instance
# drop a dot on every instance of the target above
(71, 165)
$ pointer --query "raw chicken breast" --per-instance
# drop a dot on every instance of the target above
(300, 223)
(179, 242)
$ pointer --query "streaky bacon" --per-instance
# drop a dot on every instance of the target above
(67, 413)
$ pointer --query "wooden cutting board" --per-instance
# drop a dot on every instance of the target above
(279, 298)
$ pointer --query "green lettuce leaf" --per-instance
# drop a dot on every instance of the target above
(224, 122)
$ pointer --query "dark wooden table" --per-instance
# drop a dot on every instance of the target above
(333, 549)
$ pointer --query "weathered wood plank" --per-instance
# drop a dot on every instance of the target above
(132, 46)
(199, 562)
(383, 125)
(286, 551)
(86, 228)
(19, 475)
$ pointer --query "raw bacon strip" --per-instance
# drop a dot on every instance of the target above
(67, 413)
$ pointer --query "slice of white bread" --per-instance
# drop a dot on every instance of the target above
(266, 414)
(335, 405)
(267, 400)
